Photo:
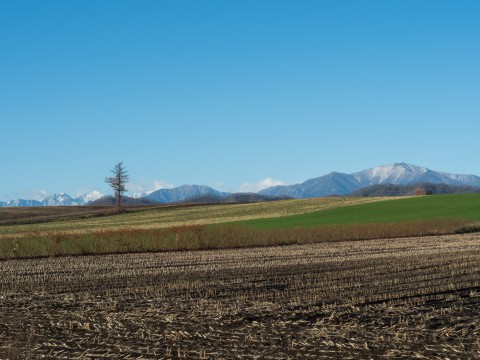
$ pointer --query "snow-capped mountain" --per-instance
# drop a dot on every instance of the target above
(20, 202)
(404, 174)
(397, 174)
(61, 199)
(181, 193)
(66, 200)
(140, 195)
(88, 197)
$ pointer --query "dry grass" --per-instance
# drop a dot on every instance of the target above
(168, 216)
(383, 299)
(197, 237)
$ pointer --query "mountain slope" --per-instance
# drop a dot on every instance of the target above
(396, 174)
(183, 193)
(59, 200)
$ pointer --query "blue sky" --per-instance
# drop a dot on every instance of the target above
(233, 94)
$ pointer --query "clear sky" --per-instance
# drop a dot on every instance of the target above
(233, 94)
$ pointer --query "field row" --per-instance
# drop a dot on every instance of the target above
(200, 237)
(170, 216)
(396, 298)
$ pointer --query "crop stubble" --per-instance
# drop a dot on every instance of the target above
(397, 298)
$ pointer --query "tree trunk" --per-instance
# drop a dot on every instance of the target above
(119, 198)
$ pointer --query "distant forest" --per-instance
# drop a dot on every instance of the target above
(236, 198)
(240, 198)
(413, 189)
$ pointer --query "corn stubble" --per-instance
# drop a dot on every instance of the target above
(391, 299)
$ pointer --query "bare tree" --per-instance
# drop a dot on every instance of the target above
(118, 181)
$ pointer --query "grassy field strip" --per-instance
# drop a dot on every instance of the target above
(414, 298)
(185, 215)
(463, 207)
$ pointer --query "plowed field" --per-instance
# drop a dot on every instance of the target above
(391, 299)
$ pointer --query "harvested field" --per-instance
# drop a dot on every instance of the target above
(39, 214)
(390, 299)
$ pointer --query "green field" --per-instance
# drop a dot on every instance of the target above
(464, 207)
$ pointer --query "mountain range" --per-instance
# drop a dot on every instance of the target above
(61, 199)
(332, 184)
(342, 184)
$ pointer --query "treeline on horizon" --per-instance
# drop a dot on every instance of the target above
(382, 190)
(235, 198)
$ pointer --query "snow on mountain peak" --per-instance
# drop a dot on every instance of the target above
(59, 200)
(91, 196)
(397, 173)
(63, 199)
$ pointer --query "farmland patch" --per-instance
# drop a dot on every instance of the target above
(397, 298)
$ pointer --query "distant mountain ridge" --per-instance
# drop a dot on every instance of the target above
(342, 184)
(333, 184)
(164, 196)
(183, 193)
(61, 199)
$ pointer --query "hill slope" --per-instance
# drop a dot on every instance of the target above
(463, 207)
(180, 215)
